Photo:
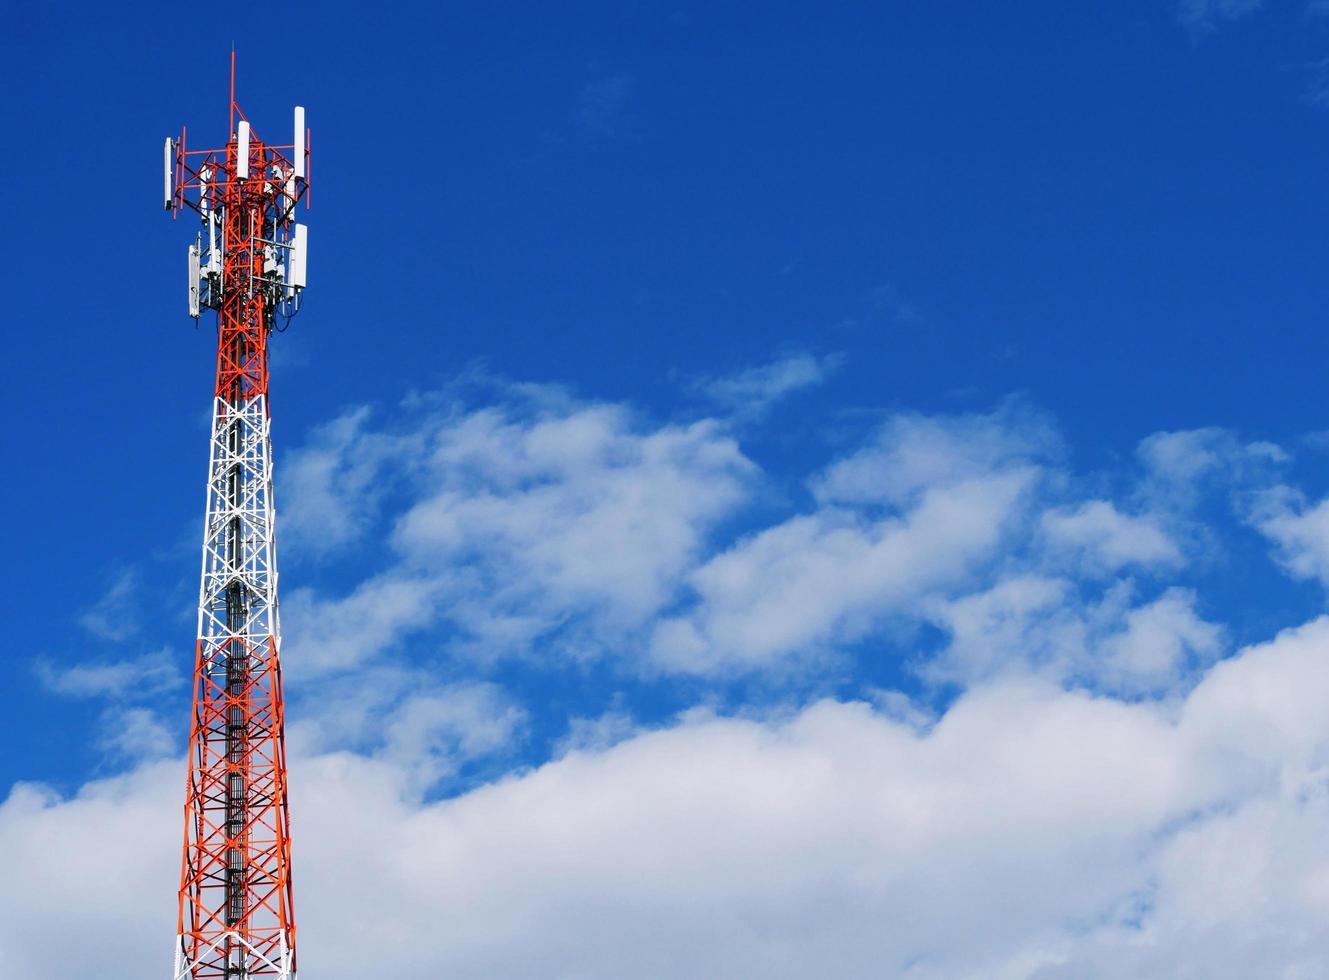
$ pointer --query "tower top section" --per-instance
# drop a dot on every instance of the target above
(249, 261)
(196, 178)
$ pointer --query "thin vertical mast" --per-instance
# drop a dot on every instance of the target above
(230, 105)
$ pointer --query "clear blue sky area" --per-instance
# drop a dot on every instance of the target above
(1120, 219)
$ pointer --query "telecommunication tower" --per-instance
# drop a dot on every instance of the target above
(236, 915)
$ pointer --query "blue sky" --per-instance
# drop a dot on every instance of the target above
(670, 369)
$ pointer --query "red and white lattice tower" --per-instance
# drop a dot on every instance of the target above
(247, 263)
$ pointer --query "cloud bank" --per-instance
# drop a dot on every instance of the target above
(990, 725)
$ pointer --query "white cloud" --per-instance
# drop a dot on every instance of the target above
(1299, 531)
(338, 479)
(1029, 832)
(1179, 465)
(575, 511)
(339, 633)
(1160, 642)
(128, 732)
(114, 616)
(538, 517)
(406, 715)
(1100, 799)
(920, 510)
(137, 677)
(135, 734)
(547, 521)
(431, 734)
(912, 454)
(1022, 623)
(751, 393)
(830, 576)
(597, 734)
(62, 855)
(1035, 624)
(1100, 537)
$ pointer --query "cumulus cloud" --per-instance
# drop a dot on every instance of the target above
(1157, 644)
(573, 511)
(338, 479)
(1064, 779)
(1028, 623)
(429, 727)
(584, 530)
(112, 838)
(912, 454)
(795, 587)
(430, 735)
(1299, 531)
(917, 511)
(1100, 537)
(598, 733)
(1181, 466)
(341, 632)
(135, 734)
(540, 518)
(1029, 832)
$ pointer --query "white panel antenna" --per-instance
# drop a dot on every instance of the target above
(193, 281)
(242, 150)
(214, 254)
(298, 151)
(299, 256)
(169, 167)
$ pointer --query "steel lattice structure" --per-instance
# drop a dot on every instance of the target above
(237, 918)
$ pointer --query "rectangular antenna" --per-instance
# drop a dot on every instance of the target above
(298, 151)
(242, 150)
(169, 167)
(299, 256)
(193, 281)
(214, 256)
